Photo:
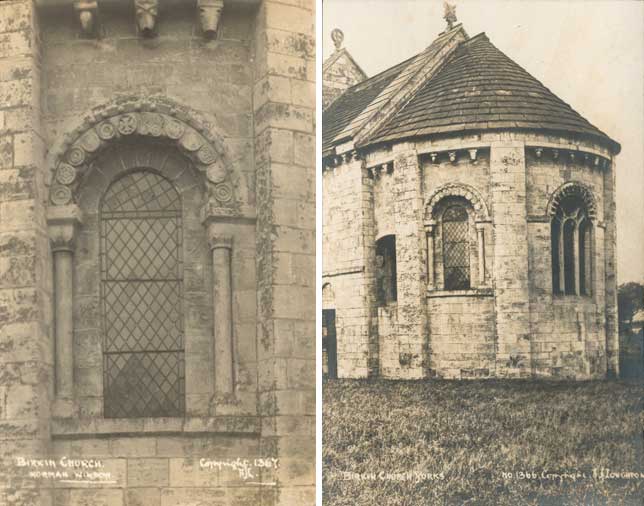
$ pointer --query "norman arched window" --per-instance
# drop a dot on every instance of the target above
(456, 218)
(571, 245)
(141, 297)
(456, 248)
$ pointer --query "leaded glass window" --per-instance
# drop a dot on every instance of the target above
(456, 248)
(141, 298)
(571, 243)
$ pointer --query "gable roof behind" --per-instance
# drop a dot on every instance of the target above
(352, 102)
(477, 88)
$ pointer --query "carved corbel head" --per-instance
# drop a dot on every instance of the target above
(87, 14)
(209, 16)
(146, 16)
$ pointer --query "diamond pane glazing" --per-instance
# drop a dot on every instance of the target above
(141, 294)
(456, 258)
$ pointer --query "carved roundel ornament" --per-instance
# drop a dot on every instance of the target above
(106, 130)
(152, 124)
(174, 129)
(191, 141)
(223, 193)
(65, 174)
(207, 155)
(61, 195)
(90, 141)
(127, 124)
(76, 156)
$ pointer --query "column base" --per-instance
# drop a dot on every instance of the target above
(64, 408)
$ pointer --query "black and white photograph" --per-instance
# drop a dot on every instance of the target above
(482, 252)
(157, 289)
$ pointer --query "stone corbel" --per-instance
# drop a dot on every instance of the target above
(87, 14)
(63, 223)
(146, 16)
(209, 16)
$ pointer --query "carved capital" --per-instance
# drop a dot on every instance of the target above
(87, 14)
(209, 16)
(146, 16)
(62, 223)
(219, 241)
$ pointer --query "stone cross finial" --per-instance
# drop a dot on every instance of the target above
(450, 15)
(337, 37)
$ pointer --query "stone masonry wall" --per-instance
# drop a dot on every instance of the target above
(345, 259)
(261, 71)
(568, 332)
(26, 357)
(284, 130)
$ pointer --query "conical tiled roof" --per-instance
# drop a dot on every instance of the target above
(477, 88)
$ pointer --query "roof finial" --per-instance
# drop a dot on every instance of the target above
(450, 15)
(337, 37)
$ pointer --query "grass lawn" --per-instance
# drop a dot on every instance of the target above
(465, 436)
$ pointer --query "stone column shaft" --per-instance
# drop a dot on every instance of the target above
(62, 222)
(63, 307)
(480, 235)
(222, 315)
(429, 234)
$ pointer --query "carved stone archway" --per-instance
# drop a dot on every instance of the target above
(573, 189)
(153, 118)
(470, 194)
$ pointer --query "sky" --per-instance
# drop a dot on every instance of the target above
(590, 53)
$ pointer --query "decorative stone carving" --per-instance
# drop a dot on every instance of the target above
(60, 195)
(481, 213)
(216, 173)
(90, 141)
(146, 16)
(452, 156)
(223, 193)
(151, 124)
(87, 13)
(555, 154)
(577, 189)
(106, 130)
(450, 15)
(174, 129)
(538, 152)
(191, 141)
(76, 156)
(337, 36)
(65, 174)
(206, 155)
(472, 153)
(434, 157)
(209, 16)
(77, 151)
(127, 124)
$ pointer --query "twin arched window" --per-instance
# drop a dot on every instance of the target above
(571, 246)
(141, 297)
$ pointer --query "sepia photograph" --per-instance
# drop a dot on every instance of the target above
(157, 252)
(482, 252)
